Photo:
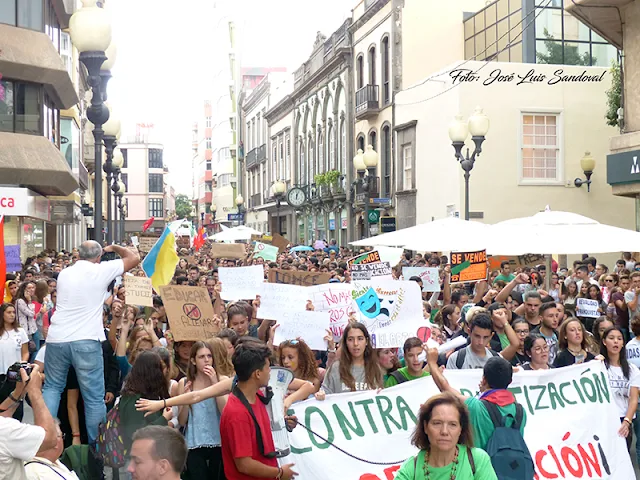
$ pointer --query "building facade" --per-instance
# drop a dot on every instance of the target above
(40, 162)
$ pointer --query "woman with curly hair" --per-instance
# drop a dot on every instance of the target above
(298, 357)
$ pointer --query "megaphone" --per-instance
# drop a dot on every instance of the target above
(279, 383)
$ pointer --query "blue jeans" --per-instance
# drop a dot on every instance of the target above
(86, 358)
(636, 432)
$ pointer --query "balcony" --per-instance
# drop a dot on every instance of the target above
(255, 200)
(373, 184)
(367, 102)
(256, 156)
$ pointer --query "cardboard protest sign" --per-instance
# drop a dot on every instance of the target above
(138, 291)
(529, 260)
(278, 297)
(468, 266)
(146, 244)
(190, 312)
(336, 300)
(390, 309)
(298, 277)
(268, 252)
(12, 258)
(429, 276)
(308, 326)
(369, 257)
(228, 250)
(279, 241)
(585, 307)
(241, 283)
(571, 428)
(367, 271)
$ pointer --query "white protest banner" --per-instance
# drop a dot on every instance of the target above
(390, 309)
(241, 283)
(367, 271)
(429, 276)
(335, 299)
(586, 307)
(278, 297)
(571, 429)
(138, 291)
(308, 326)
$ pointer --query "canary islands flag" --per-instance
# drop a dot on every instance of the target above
(160, 264)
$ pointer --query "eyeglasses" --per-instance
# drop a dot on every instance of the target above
(522, 332)
(609, 280)
(541, 349)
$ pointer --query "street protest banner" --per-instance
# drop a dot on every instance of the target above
(12, 258)
(390, 309)
(146, 244)
(138, 291)
(268, 252)
(278, 297)
(368, 257)
(190, 312)
(571, 429)
(468, 266)
(429, 276)
(241, 283)
(585, 307)
(298, 277)
(367, 271)
(308, 326)
(228, 250)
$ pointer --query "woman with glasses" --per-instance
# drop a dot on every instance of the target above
(538, 350)
(521, 327)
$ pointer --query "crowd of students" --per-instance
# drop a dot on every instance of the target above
(131, 363)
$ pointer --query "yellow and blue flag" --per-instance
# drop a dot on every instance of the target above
(160, 264)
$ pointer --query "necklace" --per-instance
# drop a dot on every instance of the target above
(574, 352)
(454, 467)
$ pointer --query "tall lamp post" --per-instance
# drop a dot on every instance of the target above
(90, 29)
(240, 205)
(478, 126)
(279, 188)
(111, 136)
(123, 212)
(214, 209)
(116, 168)
(367, 161)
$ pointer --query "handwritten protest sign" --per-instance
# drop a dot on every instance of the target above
(529, 260)
(309, 326)
(268, 252)
(367, 271)
(190, 312)
(278, 297)
(577, 427)
(241, 283)
(12, 257)
(429, 276)
(138, 291)
(369, 257)
(228, 250)
(391, 310)
(586, 307)
(146, 244)
(468, 266)
(298, 277)
(336, 300)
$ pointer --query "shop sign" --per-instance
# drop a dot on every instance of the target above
(22, 202)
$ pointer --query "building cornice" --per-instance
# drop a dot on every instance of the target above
(368, 15)
(257, 95)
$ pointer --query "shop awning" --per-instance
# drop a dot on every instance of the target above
(34, 162)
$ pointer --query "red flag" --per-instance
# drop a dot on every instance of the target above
(198, 242)
(3, 261)
(147, 224)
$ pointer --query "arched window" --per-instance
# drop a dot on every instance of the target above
(372, 66)
(311, 160)
(360, 142)
(332, 148)
(303, 164)
(386, 161)
(343, 146)
(359, 72)
(373, 140)
(386, 84)
(320, 163)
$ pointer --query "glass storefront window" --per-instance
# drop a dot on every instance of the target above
(32, 242)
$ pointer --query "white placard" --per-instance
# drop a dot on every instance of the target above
(308, 326)
(241, 283)
(278, 297)
(367, 271)
(429, 276)
(336, 300)
(134, 240)
(586, 307)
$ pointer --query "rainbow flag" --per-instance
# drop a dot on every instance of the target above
(160, 264)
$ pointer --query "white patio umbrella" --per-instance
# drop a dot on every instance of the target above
(561, 233)
(241, 232)
(442, 235)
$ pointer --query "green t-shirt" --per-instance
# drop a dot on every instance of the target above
(481, 421)
(390, 381)
(484, 470)
(506, 279)
(504, 340)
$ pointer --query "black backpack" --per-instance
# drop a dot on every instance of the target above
(506, 447)
(462, 354)
(399, 377)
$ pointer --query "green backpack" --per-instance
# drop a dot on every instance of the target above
(82, 460)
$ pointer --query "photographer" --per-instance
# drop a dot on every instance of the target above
(20, 442)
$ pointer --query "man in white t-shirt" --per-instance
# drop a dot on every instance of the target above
(20, 442)
(46, 464)
(76, 333)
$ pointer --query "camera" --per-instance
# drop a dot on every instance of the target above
(13, 374)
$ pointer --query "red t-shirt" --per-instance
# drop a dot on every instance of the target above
(238, 435)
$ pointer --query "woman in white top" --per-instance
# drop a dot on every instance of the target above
(14, 347)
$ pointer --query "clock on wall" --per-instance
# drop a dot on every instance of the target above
(296, 197)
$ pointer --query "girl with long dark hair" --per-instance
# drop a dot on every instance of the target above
(26, 313)
(357, 368)
(13, 348)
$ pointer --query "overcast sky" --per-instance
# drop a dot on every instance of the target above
(170, 58)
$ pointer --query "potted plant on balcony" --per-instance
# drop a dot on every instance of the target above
(334, 181)
(322, 184)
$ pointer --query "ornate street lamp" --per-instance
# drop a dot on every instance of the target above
(239, 204)
(279, 189)
(116, 168)
(366, 162)
(111, 135)
(588, 165)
